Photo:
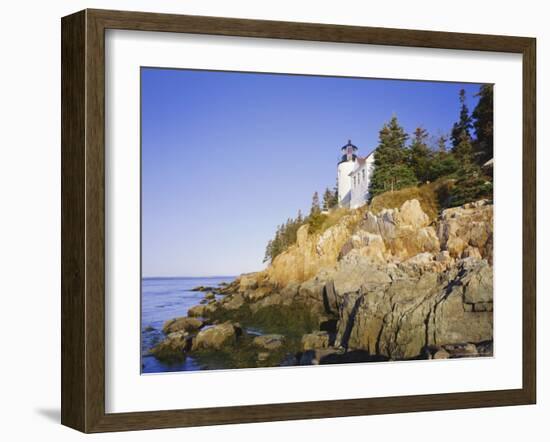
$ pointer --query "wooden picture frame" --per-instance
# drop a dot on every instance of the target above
(83, 220)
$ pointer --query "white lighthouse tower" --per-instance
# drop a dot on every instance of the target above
(345, 168)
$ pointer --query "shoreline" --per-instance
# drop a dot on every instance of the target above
(392, 286)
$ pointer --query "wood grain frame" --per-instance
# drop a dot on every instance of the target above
(83, 220)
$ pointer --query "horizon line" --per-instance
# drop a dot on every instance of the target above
(187, 276)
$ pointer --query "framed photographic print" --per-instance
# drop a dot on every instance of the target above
(269, 220)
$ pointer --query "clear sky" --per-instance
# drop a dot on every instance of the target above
(226, 157)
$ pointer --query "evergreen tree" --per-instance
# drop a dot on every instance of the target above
(315, 218)
(471, 184)
(442, 144)
(461, 139)
(461, 129)
(421, 156)
(483, 124)
(330, 198)
(327, 199)
(268, 251)
(286, 233)
(285, 236)
(443, 162)
(464, 150)
(334, 202)
(273, 246)
(315, 206)
(391, 168)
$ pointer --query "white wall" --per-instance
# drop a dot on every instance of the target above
(345, 182)
(30, 231)
(360, 191)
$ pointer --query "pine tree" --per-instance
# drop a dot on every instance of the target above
(443, 162)
(273, 246)
(315, 206)
(268, 251)
(483, 124)
(285, 236)
(442, 144)
(461, 129)
(420, 155)
(334, 202)
(391, 168)
(330, 198)
(464, 150)
(471, 184)
(327, 199)
(315, 218)
(461, 138)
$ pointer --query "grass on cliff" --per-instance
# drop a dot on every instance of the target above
(325, 221)
(432, 197)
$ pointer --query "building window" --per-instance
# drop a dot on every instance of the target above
(363, 171)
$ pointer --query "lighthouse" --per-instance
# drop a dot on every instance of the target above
(345, 167)
(353, 177)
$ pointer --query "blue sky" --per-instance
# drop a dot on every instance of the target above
(226, 157)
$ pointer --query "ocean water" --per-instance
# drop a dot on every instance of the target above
(163, 299)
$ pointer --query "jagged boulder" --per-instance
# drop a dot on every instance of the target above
(173, 347)
(182, 324)
(478, 284)
(404, 231)
(233, 302)
(366, 244)
(398, 312)
(259, 293)
(313, 291)
(197, 311)
(455, 318)
(203, 310)
(467, 225)
(248, 281)
(217, 337)
(440, 353)
(274, 299)
(354, 272)
(411, 214)
(409, 306)
(283, 297)
(315, 340)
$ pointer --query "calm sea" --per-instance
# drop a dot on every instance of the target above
(163, 299)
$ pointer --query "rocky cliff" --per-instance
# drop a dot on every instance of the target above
(392, 285)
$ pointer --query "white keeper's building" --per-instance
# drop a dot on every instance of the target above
(354, 175)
